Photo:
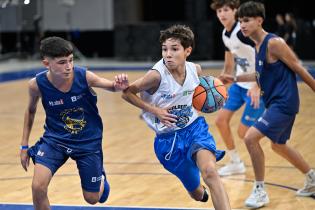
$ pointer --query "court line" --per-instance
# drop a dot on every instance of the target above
(156, 163)
(19, 206)
(164, 174)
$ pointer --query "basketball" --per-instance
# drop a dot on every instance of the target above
(210, 94)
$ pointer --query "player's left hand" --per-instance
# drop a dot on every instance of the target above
(254, 94)
(121, 82)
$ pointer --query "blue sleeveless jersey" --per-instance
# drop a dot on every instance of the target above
(72, 118)
(277, 82)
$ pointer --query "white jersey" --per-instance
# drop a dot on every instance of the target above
(243, 51)
(176, 97)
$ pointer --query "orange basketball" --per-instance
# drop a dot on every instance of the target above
(210, 94)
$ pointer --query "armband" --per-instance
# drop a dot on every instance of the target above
(23, 147)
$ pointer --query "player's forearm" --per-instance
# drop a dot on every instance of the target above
(245, 78)
(28, 124)
(135, 100)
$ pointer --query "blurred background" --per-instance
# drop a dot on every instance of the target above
(129, 29)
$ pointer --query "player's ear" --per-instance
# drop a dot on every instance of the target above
(188, 51)
(45, 62)
(260, 20)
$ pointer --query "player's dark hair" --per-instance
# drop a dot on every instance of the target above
(181, 32)
(251, 9)
(216, 4)
(55, 47)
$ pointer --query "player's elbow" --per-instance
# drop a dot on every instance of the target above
(125, 94)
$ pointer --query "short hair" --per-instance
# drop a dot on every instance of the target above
(251, 9)
(216, 4)
(181, 32)
(55, 47)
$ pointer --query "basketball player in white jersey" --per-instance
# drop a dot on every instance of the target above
(183, 143)
(239, 55)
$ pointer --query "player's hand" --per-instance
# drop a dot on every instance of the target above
(226, 78)
(254, 94)
(165, 117)
(25, 159)
(121, 82)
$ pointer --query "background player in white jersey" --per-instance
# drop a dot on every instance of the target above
(239, 55)
(183, 143)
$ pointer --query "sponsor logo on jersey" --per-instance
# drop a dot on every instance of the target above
(96, 179)
(167, 96)
(76, 98)
(56, 103)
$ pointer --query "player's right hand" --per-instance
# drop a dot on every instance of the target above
(165, 117)
(25, 159)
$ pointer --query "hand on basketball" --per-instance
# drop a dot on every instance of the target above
(25, 159)
(165, 117)
(254, 94)
(121, 82)
(226, 78)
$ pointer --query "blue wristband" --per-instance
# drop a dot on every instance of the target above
(22, 147)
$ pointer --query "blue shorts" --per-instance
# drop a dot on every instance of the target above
(176, 151)
(237, 97)
(275, 125)
(90, 165)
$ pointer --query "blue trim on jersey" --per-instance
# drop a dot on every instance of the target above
(245, 39)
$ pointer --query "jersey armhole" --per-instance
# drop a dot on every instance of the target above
(151, 92)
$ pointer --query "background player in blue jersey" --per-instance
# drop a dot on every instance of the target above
(276, 69)
(183, 143)
(73, 127)
(239, 55)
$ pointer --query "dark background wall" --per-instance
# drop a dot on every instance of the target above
(129, 29)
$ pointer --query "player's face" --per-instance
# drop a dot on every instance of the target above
(174, 53)
(226, 15)
(61, 67)
(250, 25)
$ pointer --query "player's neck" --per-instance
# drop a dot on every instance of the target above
(259, 36)
(230, 25)
(62, 84)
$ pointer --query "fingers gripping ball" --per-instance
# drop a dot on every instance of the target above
(210, 94)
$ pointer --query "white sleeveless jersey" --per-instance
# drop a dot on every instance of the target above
(176, 97)
(243, 51)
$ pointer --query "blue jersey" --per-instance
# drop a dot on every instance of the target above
(277, 82)
(72, 118)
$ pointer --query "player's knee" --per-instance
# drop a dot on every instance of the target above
(39, 189)
(249, 142)
(200, 194)
(209, 174)
(91, 198)
(220, 121)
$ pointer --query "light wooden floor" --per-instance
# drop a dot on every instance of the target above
(135, 176)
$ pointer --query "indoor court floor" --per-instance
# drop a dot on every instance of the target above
(138, 181)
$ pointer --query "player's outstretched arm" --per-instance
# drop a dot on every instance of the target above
(279, 50)
(29, 116)
(120, 82)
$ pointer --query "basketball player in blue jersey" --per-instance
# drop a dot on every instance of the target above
(182, 144)
(73, 127)
(239, 55)
(276, 69)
